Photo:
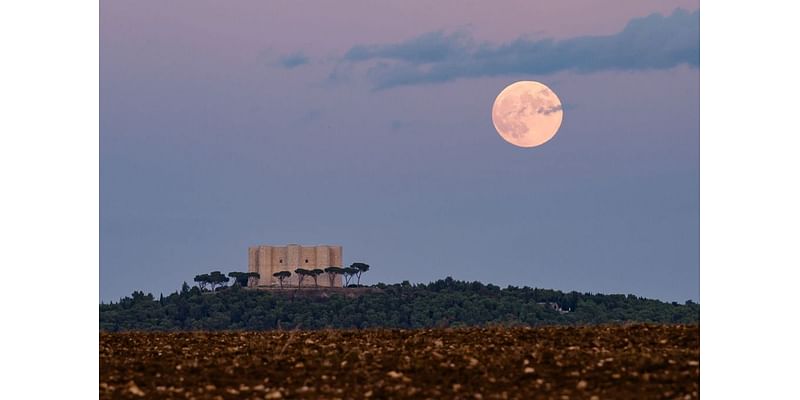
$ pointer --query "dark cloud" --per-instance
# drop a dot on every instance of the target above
(293, 60)
(652, 42)
(430, 47)
(549, 110)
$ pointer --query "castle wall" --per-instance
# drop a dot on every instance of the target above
(252, 259)
(322, 256)
(279, 258)
(308, 257)
(336, 255)
(264, 265)
(293, 262)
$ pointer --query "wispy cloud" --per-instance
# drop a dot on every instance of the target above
(652, 42)
(293, 60)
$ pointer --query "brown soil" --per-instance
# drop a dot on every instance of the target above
(601, 362)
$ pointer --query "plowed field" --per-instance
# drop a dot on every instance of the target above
(600, 362)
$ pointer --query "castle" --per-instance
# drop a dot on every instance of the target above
(267, 260)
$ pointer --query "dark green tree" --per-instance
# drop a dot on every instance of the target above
(217, 279)
(282, 275)
(349, 272)
(253, 277)
(239, 278)
(315, 273)
(243, 278)
(202, 280)
(361, 268)
(302, 273)
(332, 272)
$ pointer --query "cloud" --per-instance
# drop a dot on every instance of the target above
(549, 110)
(293, 60)
(429, 47)
(652, 42)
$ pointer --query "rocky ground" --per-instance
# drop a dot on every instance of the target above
(599, 362)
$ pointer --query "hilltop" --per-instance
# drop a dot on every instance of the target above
(443, 303)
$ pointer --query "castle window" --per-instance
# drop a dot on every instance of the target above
(306, 261)
(280, 261)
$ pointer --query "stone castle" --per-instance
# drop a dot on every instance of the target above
(267, 260)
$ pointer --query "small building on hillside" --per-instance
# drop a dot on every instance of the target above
(267, 260)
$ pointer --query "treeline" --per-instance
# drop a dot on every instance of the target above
(217, 280)
(444, 303)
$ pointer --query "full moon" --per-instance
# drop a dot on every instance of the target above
(527, 114)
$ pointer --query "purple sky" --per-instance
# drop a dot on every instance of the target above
(229, 124)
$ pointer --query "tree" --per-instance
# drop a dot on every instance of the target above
(239, 278)
(332, 272)
(243, 278)
(302, 273)
(253, 277)
(348, 275)
(216, 278)
(315, 273)
(281, 275)
(361, 268)
(202, 280)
